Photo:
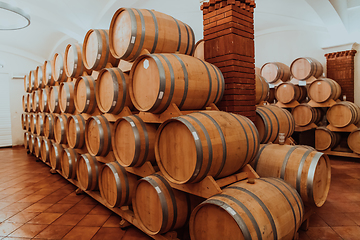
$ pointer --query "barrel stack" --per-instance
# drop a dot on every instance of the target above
(133, 122)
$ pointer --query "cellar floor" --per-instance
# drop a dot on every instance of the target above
(35, 204)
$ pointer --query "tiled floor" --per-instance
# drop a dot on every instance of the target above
(35, 204)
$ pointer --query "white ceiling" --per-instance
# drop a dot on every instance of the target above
(57, 23)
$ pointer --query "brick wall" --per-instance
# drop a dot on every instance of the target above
(229, 44)
(340, 67)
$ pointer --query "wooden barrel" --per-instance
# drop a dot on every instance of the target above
(31, 80)
(26, 140)
(274, 71)
(66, 97)
(133, 141)
(85, 97)
(33, 123)
(75, 130)
(29, 102)
(27, 122)
(60, 128)
(49, 125)
(48, 79)
(190, 83)
(305, 67)
(39, 77)
(326, 139)
(112, 91)
(116, 185)
(23, 121)
(305, 115)
(54, 105)
(73, 61)
(324, 89)
(44, 99)
(35, 101)
(354, 141)
(37, 146)
(98, 131)
(56, 152)
(304, 168)
(154, 199)
(57, 68)
(87, 172)
(32, 142)
(24, 102)
(261, 89)
(249, 211)
(199, 51)
(26, 84)
(288, 92)
(272, 120)
(40, 127)
(96, 52)
(343, 114)
(132, 30)
(69, 161)
(185, 146)
(46, 146)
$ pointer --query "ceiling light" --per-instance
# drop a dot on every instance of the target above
(13, 18)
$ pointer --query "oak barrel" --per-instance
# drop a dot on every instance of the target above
(56, 152)
(46, 146)
(343, 114)
(161, 79)
(33, 123)
(44, 98)
(40, 127)
(268, 209)
(87, 172)
(305, 67)
(60, 128)
(23, 121)
(261, 89)
(69, 161)
(48, 79)
(54, 106)
(112, 91)
(193, 146)
(354, 141)
(85, 98)
(26, 84)
(272, 120)
(133, 30)
(35, 100)
(39, 77)
(324, 89)
(37, 146)
(75, 130)
(304, 168)
(49, 125)
(96, 52)
(98, 131)
(32, 142)
(133, 141)
(288, 93)
(31, 79)
(57, 68)
(305, 115)
(27, 122)
(116, 185)
(73, 61)
(199, 50)
(274, 71)
(66, 97)
(157, 207)
(24, 102)
(326, 139)
(26, 140)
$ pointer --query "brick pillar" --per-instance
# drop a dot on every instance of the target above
(229, 44)
(340, 67)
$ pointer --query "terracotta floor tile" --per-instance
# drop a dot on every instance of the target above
(6, 228)
(100, 210)
(38, 207)
(81, 233)
(88, 201)
(72, 198)
(22, 217)
(81, 208)
(32, 198)
(15, 238)
(93, 220)
(6, 215)
(136, 234)
(348, 232)
(14, 197)
(113, 221)
(4, 204)
(303, 235)
(322, 233)
(28, 230)
(109, 233)
(69, 219)
(354, 216)
(317, 221)
(18, 206)
(54, 232)
(45, 218)
(337, 219)
(11, 190)
(59, 208)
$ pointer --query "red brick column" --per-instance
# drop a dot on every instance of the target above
(340, 67)
(229, 44)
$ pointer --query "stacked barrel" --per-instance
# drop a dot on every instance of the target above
(107, 127)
